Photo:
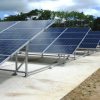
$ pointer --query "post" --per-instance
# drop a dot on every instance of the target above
(88, 52)
(16, 64)
(74, 55)
(26, 61)
(42, 55)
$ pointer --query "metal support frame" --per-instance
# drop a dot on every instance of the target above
(16, 64)
(88, 52)
(26, 62)
(17, 67)
(74, 55)
(62, 58)
(68, 57)
(42, 55)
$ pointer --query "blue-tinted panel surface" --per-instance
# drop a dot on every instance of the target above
(4, 25)
(96, 36)
(19, 34)
(48, 35)
(94, 32)
(7, 47)
(42, 41)
(88, 45)
(77, 29)
(11, 30)
(67, 42)
(2, 58)
(16, 37)
(37, 48)
(73, 35)
(33, 24)
(61, 49)
(91, 41)
(55, 29)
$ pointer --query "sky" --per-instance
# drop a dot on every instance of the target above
(12, 7)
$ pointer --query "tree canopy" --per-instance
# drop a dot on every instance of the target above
(73, 19)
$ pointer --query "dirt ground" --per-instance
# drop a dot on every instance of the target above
(88, 90)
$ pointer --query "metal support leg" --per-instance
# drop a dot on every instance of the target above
(74, 55)
(88, 53)
(16, 65)
(42, 55)
(64, 58)
(26, 61)
(68, 57)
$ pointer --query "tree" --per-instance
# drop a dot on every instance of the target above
(96, 24)
(45, 15)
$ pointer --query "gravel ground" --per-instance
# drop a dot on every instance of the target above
(88, 90)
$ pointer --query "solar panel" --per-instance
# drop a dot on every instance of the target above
(42, 41)
(82, 29)
(3, 57)
(37, 48)
(63, 49)
(72, 35)
(94, 32)
(33, 24)
(88, 45)
(19, 35)
(67, 43)
(8, 47)
(48, 35)
(55, 29)
(4, 25)
(91, 41)
(93, 36)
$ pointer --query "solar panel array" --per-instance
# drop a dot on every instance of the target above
(91, 41)
(16, 36)
(58, 40)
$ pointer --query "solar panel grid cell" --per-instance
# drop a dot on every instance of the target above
(4, 25)
(10, 46)
(55, 29)
(88, 45)
(72, 35)
(63, 49)
(17, 34)
(67, 41)
(38, 48)
(33, 24)
(2, 58)
(91, 41)
(93, 36)
(85, 29)
(48, 35)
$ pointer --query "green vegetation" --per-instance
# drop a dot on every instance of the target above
(67, 19)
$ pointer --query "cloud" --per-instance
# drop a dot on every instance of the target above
(13, 5)
(87, 6)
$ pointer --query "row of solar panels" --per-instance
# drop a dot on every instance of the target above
(58, 40)
(15, 35)
(64, 40)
